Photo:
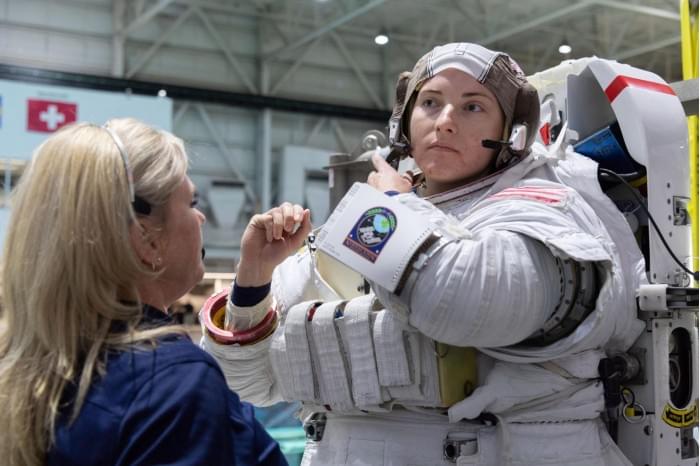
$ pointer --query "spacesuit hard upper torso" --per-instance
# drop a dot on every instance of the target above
(482, 291)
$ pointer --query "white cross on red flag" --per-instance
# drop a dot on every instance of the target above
(46, 116)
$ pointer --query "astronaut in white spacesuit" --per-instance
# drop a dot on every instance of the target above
(539, 277)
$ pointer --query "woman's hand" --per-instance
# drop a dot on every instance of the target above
(385, 178)
(269, 239)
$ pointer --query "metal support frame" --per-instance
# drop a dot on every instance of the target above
(85, 81)
(544, 59)
(356, 68)
(469, 17)
(159, 43)
(294, 67)
(644, 10)
(145, 11)
(118, 38)
(224, 48)
(147, 16)
(264, 134)
(340, 135)
(265, 160)
(617, 41)
(387, 81)
(279, 31)
(138, 6)
(325, 29)
(437, 27)
(317, 127)
(180, 112)
(535, 23)
(648, 48)
(224, 151)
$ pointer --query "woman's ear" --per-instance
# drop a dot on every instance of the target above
(144, 240)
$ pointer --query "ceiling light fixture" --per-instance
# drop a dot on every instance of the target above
(565, 49)
(381, 39)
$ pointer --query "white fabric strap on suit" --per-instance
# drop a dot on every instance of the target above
(344, 356)
(411, 391)
(405, 361)
(329, 356)
(356, 330)
(392, 357)
(291, 356)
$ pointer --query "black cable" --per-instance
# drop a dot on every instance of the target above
(629, 176)
(642, 204)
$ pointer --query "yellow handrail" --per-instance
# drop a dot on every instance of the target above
(689, 58)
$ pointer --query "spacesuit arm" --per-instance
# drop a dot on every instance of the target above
(494, 289)
(247, 368)
(510, 276)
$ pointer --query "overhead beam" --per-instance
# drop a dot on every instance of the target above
(648, 48)
(225, 151)
(224, 48)
(356, 68)
(138, 6)
(614, 46)
(566, 11)
(325, 29)
(437, 27)
(340, 136)
(147, 15)
(175, 91)
(356, 29)
(294, 67)
(536, 22)
(159, 43)
(547, 56)
(182, 109)
(468, 16)
(279, 30)
(317, 127)
(641, 9)
(118, 38)
(265, 152)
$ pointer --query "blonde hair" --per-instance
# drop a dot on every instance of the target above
(70, 271)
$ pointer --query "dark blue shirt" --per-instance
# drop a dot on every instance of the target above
(164, 405)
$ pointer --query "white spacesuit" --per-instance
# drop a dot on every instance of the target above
(539, 277)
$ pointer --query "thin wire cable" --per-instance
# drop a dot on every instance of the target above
(640, 200)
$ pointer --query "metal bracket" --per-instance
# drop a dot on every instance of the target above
(314, 427)
(655, 298)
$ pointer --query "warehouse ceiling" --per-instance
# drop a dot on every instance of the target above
(324, 50)
(646, 32)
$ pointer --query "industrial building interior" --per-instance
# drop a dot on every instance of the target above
(263, 92)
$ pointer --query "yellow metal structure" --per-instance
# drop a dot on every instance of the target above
(689, 54)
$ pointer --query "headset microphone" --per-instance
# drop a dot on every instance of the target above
(494, 144)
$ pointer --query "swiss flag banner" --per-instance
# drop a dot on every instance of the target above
(46, 116)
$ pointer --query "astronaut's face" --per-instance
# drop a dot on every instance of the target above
(452, 114)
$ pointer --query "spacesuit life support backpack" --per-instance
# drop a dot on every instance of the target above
(631, 122)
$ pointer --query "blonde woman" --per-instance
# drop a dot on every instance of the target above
(104, 237)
